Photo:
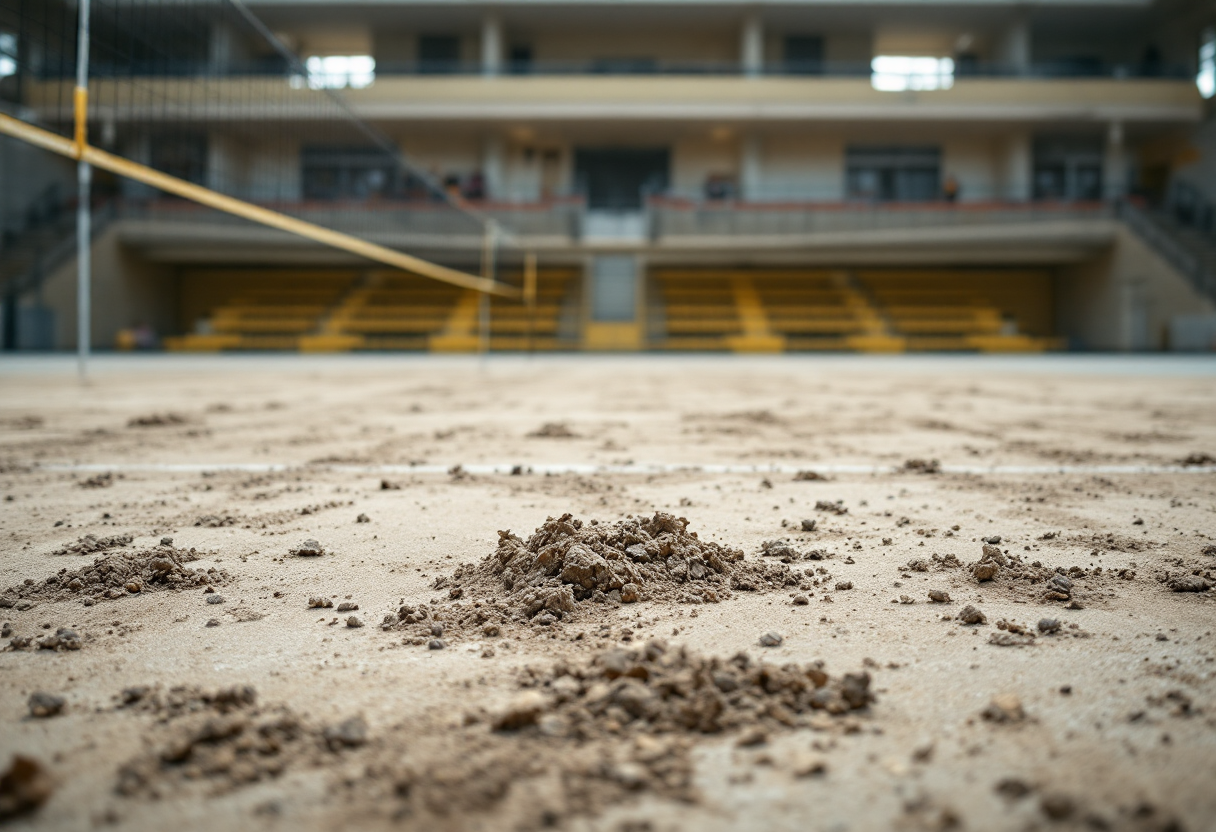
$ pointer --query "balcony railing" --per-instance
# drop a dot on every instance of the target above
(676, 218)
(564, 221)
(963, 68)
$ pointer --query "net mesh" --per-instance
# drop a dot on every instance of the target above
(203, 91)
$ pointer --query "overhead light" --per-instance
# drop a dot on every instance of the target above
(897, 73)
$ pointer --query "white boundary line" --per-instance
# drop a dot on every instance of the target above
(633, 468)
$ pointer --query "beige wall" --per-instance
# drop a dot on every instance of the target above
(126, 291)
(1124, 300)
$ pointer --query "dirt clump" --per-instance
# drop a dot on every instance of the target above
(809, 476)
(122, 573)
(308, 549)
(939, 596)
(90, 544)
(784, 551)
(157, 420)
(216, 521)
(971, 615)
(1198, 458)
(225, 740)
(553, 430)
(24, 787)
(922, 466)
(43, 704)
(1004, 708)
(1182, 581)
(102, 480)
(837, 507)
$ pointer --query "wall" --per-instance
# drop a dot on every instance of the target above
(126, 291)
(1124, 299)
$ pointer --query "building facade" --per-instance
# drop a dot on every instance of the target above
(705, 175)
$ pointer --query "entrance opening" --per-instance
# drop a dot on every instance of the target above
(620, 179)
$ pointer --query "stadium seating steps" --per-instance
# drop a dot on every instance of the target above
(691, 309)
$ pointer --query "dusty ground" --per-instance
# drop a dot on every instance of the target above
(1119, 725)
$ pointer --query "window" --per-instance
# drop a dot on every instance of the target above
(893, 174)
(348, 173)
(335, 72)
(8, 54)
(804, 54)
(1206, 79)
(519, 60)
(1068, 168)
(438, 54)
(896, 73)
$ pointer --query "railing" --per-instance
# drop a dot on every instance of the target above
(662, 219)
(673, 218)
(386, 218)
(963, 68)
(1160, 238)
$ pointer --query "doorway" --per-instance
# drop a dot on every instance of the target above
(620, 179)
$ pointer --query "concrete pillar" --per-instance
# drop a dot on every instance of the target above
(221, 47)
(491, 45)
(751, 46)
(1019, 167)
(1114, 164)
(493, 166)
(1016, 51)
(750, 168)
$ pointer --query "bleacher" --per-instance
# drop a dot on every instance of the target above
(764, 310)
(698, 309)
(516, 327)
(692, 309)
(256, 309)
(391, 310)
(969, 309)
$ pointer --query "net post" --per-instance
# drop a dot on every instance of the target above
(84, 181)
(487, 272)
(530, 294)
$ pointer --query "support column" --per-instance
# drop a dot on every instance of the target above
(1114, 164)
(1018, 168)
(492, 167)
(491, 45)
(751, 46)
(750, 168)
(1016, 47)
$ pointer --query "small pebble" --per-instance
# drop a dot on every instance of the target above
(43, 705)
(771, 639)
(354, 621)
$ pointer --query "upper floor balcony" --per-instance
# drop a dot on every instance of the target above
(660, 96)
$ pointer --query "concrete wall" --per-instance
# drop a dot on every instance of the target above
(1124, 299)
(126, 291)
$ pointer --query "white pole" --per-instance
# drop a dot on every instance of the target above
(84, 179)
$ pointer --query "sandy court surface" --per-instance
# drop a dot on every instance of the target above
(549, 700)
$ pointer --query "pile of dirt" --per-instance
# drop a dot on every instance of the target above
(119, 574)
(568, 567)
(660, 690)
(623, 725)
(226, 741)
(90, 544)
(553, 430)
(1031, 581)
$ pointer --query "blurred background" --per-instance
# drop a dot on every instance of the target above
(802, 175)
